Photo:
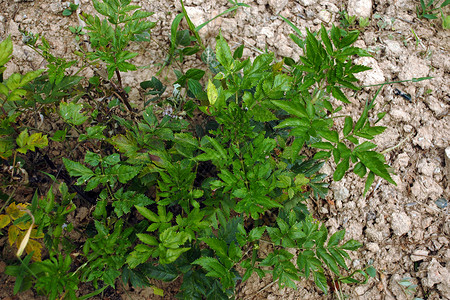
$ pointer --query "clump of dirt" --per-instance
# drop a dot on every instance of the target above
(405, 228)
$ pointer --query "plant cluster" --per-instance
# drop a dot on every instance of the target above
(169, 197)
(430, 10)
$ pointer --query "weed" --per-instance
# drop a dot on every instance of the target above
(430, 10)
(168, 197)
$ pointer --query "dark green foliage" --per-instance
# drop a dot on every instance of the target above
(173, 196)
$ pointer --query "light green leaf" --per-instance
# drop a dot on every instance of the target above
(78, 170)
(212, 92)
(147, 239)
(71, 113)
(6, 49)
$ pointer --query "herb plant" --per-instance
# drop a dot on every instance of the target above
(211, 202)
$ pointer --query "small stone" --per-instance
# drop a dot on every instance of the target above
(424, 137)
(407, 128)
(447, 161)
(394, 48)
(278, 5)
(373, 247)
(441, 203)
(361, 290)
(437, 274)
(413, 68)
(400, 115)
(325, 16)
(360, 8)
(400, 223)
(419, 255)
(373, 76)
(340, 193)
(307, 2)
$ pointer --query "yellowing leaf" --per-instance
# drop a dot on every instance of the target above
(4, 220)
(13, 234)
(212, 92)
(24, 226)
(37, 140)
(36, 247)
(15, 211)
(157, 291)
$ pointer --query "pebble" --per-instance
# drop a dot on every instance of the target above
(419, 255)
(441, 203)
(400, 223)
(360, 8)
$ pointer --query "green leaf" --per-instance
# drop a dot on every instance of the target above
(22, 139)
(336, 238)
(338, 94)
(70, 112)
(371, 271)
(351, 245)
(212, 92)
(147, 239)
(6, 50)
(160, 272)
(369, 181)
(341, 168)
(348, 126)
(293, 108)
(321, 281)
(375, 163)
(148, 214)
(78, 170)
(223, 53)
(328, 259)
(126, 173)
(212, 266)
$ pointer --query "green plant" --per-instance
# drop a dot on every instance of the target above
(69, 11)
(350, 22)
(430, 11)
(111, 36)
(173, 196)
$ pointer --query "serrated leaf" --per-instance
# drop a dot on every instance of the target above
(147, 239)
(78, 170)
(223, 53)
(321, 281)
(4, 221)
(148, 214)
(348, 125)
(336, 238)
(328, 259)
(338, 257)
(71, 113)
(351, 245)
(375, 163)
(341, 168)
(369, 181)
(213, 266)
(292, 108)
(6, 50)
(160, 272)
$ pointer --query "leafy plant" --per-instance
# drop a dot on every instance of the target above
(174, 196)
(429, 10)
(70, 10)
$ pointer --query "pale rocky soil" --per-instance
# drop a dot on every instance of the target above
(405, 233)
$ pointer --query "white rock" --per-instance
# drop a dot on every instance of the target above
(413, 68)
(307, 2)
(400, 115)
(325, 16)
(373, 247)
(340, 193)
(278, 5)
(447, 161)
(394, 48)
(268, 32)
(360, 8)
(400, 223)
(424, 137)
(419, 255)
(437, 274)
(374, 76)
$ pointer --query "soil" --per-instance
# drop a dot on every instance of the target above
(405, 228)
